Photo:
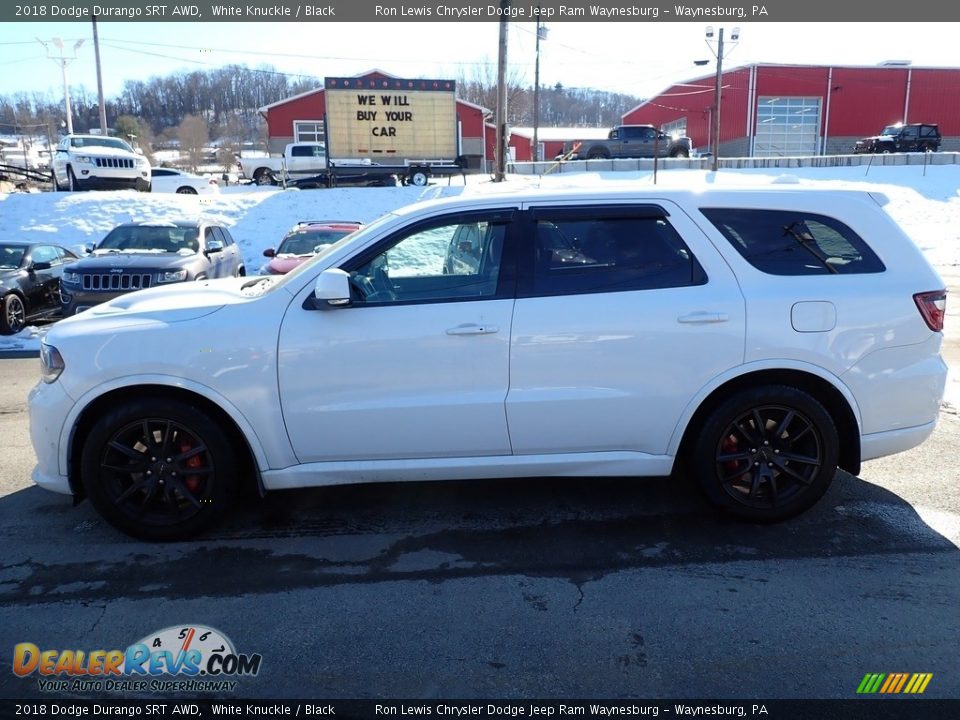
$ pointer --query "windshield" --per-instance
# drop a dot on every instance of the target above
(891, 130)
(110, 142)
(141, 238)
(11, 256)
(307, 242)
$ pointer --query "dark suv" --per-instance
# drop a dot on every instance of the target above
(136, 256)
(916, 137)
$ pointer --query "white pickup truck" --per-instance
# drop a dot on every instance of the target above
(300, 159)
(307, 162)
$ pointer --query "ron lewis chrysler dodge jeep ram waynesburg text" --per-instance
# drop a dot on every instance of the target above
(762, 337)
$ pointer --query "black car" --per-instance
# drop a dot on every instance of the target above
(916, 137)
(30, 282)
(136, 256)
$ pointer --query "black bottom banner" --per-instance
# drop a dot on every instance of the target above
(861, 709)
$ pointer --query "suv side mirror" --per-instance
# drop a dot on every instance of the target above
(42, 265)
(270, 252)
(332, 289)
(214, 246)
(88, 248)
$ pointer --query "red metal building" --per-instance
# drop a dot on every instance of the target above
(784, 110)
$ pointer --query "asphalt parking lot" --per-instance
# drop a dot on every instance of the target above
(509, 589)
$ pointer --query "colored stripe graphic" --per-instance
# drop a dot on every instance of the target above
(894, 683)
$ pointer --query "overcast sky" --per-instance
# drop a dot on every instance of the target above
(635, 58)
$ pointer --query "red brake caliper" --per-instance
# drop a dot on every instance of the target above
(730, 445)
(191, 481)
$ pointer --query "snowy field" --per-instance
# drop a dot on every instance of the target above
(927, 206)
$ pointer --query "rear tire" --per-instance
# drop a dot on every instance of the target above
(598, 154)
(186, 190)
(766, 454)
(158, 469)
(420, 178)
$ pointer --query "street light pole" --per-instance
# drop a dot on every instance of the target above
(717, 91)
(62, 60)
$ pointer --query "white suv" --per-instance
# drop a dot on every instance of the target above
(99, 162)
(764, 338)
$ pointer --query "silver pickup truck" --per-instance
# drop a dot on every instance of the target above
(631, 141)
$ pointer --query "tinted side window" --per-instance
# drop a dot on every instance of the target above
(786, 242)
(613, 254)
(222, 235)
(301, 151)
(45, 253)
(446, 260)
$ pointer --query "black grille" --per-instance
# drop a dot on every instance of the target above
(114, 162)
(117, 281)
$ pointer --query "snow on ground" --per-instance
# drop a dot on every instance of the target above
(925, 201)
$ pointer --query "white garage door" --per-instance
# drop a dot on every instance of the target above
(787, 126)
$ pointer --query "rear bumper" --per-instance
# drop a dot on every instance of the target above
(878, 445)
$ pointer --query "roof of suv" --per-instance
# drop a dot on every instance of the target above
(624, 193)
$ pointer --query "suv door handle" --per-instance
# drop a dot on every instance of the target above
(703, 318)
(472, 329)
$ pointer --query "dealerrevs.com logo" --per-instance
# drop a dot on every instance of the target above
(182, 658)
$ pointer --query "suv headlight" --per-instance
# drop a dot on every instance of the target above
(142, 161)
(169, 276)
(51, 363)
(71, 278)
(87, 159)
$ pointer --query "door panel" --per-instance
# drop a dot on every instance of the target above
(596, 369)
(418, 366)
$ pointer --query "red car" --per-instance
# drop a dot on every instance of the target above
(304, 241)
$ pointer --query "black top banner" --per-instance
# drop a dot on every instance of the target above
(477, 11)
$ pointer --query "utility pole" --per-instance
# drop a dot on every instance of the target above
(62, 60)
(718, 87)
(103, 106)
(541, 35)
(500, 167)
(716, 103)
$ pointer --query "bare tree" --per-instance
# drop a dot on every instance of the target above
(194, 136)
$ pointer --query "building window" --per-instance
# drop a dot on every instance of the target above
(787, 126)
(676, 128)
(308, 131)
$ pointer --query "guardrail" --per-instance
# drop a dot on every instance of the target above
(703, 163)
(18, 174)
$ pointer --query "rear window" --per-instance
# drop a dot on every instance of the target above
(787, 242)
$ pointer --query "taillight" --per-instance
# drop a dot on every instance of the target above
(933, 306)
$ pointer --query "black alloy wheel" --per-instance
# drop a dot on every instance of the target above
(13, 314)
(767, 454)
(158, 469)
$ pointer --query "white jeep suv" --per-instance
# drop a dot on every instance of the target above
(99, 162)
(761, 337)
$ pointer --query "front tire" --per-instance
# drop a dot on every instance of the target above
(158, 469)
(186, 190)
(13, 314)
(766, 454)
(73, 185)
